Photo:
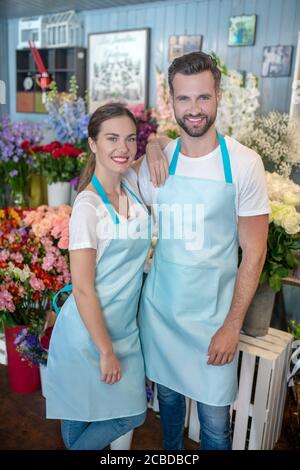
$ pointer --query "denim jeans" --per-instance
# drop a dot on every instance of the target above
(214, 422)
(79, 435)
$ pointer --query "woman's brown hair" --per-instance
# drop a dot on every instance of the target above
(102, 114)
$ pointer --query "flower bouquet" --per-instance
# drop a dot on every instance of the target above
(284, 230)
(34, 263)
(15, 163)
(146, 127)
(32, 346)
(276, 138)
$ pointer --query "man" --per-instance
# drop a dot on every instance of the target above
(195, 297)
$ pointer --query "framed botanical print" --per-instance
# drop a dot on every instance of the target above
(118, 65)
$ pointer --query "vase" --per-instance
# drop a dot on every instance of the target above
(18, 197)
(43, 372)
(123, 442)
(59, 193)
(37, 190)
(259, 314)
(23, 378)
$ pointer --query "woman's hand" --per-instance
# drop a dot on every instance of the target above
(110, 368)
(157, 162)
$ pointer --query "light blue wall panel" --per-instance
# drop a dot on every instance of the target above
(278, 22)
(4, 103)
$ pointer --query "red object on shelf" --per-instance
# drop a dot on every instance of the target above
(43, 79)
(22, 377)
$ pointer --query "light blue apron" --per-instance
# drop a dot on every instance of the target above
(74, 390)
(189, 289)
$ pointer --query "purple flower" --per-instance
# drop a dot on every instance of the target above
(20, 336)
(74, 182)
(32, 340)
(13, 173)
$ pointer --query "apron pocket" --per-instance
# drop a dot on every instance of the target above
(182, 290)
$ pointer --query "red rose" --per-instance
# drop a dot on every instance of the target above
(56, 153)
(45, 339)
(37, 148)
(25, 145)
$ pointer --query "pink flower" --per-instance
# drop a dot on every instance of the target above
(36, 284)
(4, 254)
(17, 257)
(63, 243)
(6, 300)
(48, 262)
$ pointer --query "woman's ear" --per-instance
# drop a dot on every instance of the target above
(92, 145)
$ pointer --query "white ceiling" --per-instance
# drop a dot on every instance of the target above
(20, 8)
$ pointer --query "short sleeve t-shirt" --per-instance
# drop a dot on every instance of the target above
(90, 221)
(248, 175)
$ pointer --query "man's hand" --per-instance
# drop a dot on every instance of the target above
(157, 162)
(223, 345)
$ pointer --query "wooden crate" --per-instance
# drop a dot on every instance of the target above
(257, 412)
(3, 354)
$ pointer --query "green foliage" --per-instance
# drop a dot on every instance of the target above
(294, 329)
(281, 256)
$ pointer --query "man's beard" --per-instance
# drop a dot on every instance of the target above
(196, 131)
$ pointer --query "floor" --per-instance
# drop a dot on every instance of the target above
(23, 426)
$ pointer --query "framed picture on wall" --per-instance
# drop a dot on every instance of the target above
(118, 64)
(242, 30)
(179, 45)
(277, 61)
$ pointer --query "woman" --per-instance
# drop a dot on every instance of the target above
(95, 371)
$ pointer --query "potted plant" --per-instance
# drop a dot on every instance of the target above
(58, 164)
(281, 259)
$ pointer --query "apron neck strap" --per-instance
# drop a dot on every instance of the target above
(132, 193)
(225, 158)
(98, 187)
(173, 164)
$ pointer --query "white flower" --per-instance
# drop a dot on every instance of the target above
(282, 189)
(285, 216)
(277, 140)
(22, 274)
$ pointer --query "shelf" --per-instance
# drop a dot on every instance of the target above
(61, 63)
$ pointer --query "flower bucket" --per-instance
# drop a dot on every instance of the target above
(22, 377)
(123, 442)
(259, 315)
(58, 193)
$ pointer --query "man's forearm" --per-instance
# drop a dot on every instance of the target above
(245, 287)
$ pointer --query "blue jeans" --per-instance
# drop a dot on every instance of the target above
(81, 435)
(214, 422)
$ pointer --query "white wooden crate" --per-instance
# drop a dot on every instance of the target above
(3, 355)
(258, 410)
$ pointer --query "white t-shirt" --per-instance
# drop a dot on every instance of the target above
(91, 225)
(247, 169)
